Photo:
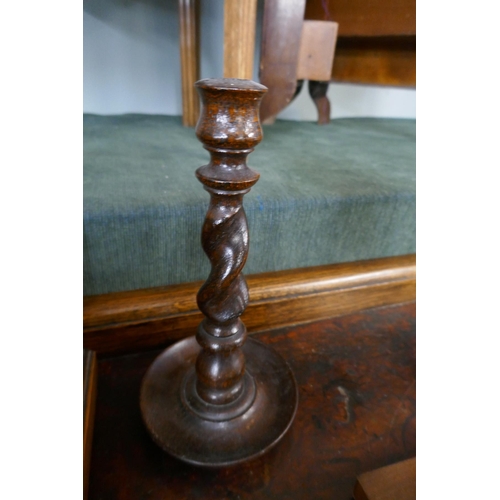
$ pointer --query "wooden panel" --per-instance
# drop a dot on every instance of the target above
(239, 38)
(128, 321)
(382, 61)
(366, 18)
(89, 399)
(356, 381)
(393, 482)
(279, 53)
(190, 60)
(317, 49)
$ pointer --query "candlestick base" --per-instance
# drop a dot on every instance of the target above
(178, 428)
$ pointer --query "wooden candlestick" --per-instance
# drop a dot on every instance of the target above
(215, 399)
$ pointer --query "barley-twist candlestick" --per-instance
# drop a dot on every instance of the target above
(215, 399)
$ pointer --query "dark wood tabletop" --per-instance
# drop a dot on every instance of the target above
(356, 378)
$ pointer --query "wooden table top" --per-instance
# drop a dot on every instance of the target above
(356, 377)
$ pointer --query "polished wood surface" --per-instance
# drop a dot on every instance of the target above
(89, 400)
(239, 38)
(212, 433)
(392, 482)
(362, 18)
(190, 60)
(279, 54)
(229, 128)
(140, 319)
(381, 61)
(215, 399)
(356, 377)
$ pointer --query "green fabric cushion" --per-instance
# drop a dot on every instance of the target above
(335, 193)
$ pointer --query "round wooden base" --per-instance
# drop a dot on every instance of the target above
(177, 427)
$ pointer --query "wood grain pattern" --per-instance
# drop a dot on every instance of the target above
(89, 400)
(229, 129)
(239, 38)
(381, 61)
(392, 482)
(356, 378)
(279, 54)
(190, 60)
(218, 399)
(362, 18)
(141, 319)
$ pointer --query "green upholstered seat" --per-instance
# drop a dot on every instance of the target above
(327, 194)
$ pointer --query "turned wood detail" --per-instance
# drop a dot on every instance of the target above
(214, 399)
(229, 129)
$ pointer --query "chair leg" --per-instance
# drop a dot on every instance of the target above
(239, 38)
(317, 91)
(190, 60)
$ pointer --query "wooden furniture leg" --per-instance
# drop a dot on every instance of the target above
(215, 399)
(190, 60)
(239, 38)
(317, 91)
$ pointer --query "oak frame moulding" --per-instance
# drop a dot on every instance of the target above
(129, 321)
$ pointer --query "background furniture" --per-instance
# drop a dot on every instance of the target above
(357, 412)
(189, 47)
(239, 43)
(376, 45)
(392, 482)
(377, 40)
(125, 322)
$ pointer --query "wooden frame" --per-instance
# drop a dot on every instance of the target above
(142, 319)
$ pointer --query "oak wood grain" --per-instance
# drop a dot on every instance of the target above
(190, 60)
(362, 18)
(89, 401)
(239, 38)
(381, 61)
(141, 319)
(356, 380)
